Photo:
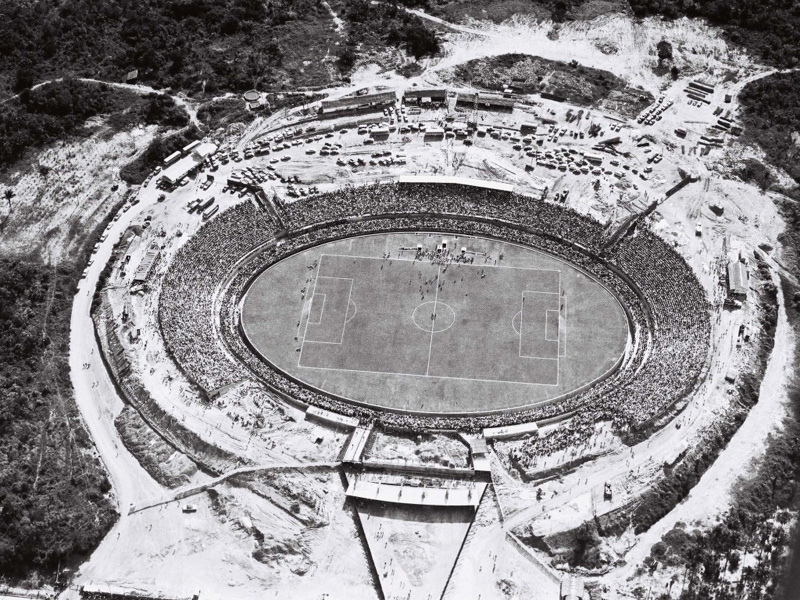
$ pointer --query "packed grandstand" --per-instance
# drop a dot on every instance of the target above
(666, 307)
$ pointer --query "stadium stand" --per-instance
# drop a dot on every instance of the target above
(666, 306)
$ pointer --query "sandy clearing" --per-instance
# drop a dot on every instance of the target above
(491, 567)
(68, 191)
(616, 43)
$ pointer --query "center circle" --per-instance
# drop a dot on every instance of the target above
(434, 316)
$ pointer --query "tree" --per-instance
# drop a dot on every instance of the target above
(9, 194)
(664, 49)
(230, 25)
(421, 41)
(733, 561)
(24, 78)
(346, 58)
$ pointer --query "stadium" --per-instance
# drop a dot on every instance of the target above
(308, 300)
(294, 311)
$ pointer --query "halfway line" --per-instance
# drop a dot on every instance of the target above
(433, 323)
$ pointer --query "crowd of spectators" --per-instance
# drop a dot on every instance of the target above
(666, 306)
(188, 293)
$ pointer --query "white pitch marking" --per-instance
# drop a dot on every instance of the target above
(433, 327)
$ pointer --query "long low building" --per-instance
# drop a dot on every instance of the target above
(428, 96)
(186, 164)
(144, 268)
(355, 103)
(465, 494)
(485, 101)
(737, 279)
(451, 180)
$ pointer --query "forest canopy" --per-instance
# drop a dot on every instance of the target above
(53, 502)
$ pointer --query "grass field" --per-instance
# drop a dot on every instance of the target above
(363, 319)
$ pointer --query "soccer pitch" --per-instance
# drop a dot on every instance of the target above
(421, 319)
(365, 319)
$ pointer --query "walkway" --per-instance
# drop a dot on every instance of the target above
(194, 489)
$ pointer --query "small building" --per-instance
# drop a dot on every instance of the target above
(572, 588)
(434, 132)
(172, 158)
(191, 146)
(552, 96)
(702, 87)
(738, 278)
(131, 75)
(143, 271)
(479, 454)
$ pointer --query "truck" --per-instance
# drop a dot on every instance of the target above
(210, 212)
(204, 204)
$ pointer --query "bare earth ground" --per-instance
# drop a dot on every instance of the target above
(67, 191)
(423, 448)
(413, 548)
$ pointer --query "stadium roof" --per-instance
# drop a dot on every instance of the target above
(465, 495)
(450, 180)
(327, 415)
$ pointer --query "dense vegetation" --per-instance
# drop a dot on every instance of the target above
(52, 490)
(575, 83)
(49, 113)
(770, 113)
(768, 28)
(192, 45)
(500, 10)
(375, 25)
(223, 112)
